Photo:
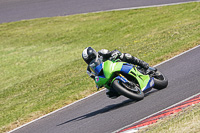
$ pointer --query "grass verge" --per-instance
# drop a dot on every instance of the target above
(41, 67)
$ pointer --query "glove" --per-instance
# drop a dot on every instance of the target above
(115, 54)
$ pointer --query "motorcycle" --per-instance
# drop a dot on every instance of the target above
(127, 79)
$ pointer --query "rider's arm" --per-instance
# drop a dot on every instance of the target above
(92, 76)
(90, 73)
(115, 54)
(104, 53)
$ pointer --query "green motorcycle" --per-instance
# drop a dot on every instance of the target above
(126, 79)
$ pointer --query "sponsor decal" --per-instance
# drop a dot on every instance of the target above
(97, 78)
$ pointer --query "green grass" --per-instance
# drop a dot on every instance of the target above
(41, 67)
(187, 121)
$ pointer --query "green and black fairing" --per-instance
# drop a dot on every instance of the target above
(106, 72)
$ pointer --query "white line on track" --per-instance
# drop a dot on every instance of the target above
(130, 8)
(177, 56)
(54, 111)
(104, 89)
(131, 131)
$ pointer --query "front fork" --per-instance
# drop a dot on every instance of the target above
(123, 79)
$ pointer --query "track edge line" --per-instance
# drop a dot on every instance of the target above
(157, 112)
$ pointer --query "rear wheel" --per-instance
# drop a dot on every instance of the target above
(131, 91)
(160, 80)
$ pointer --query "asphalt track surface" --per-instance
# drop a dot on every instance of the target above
(15, 10)
(99, 114)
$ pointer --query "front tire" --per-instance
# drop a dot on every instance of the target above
(117, 85)
(160, 80)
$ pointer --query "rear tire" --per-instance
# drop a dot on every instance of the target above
(126, 92)
(160, 81)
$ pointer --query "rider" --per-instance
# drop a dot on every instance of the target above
(90, 54)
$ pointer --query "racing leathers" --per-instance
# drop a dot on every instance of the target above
(115, 54)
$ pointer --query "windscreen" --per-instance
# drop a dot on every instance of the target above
(96, 66)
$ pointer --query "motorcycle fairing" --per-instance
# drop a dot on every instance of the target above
(109, 68)
(126, 67)
(142, 79)
(149, 85)
(98, 69)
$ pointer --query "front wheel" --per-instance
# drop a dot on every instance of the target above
(130, 91)
(160, 80)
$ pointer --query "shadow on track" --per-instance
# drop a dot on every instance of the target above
(106, 109)
(150, 92)
(101, 111)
